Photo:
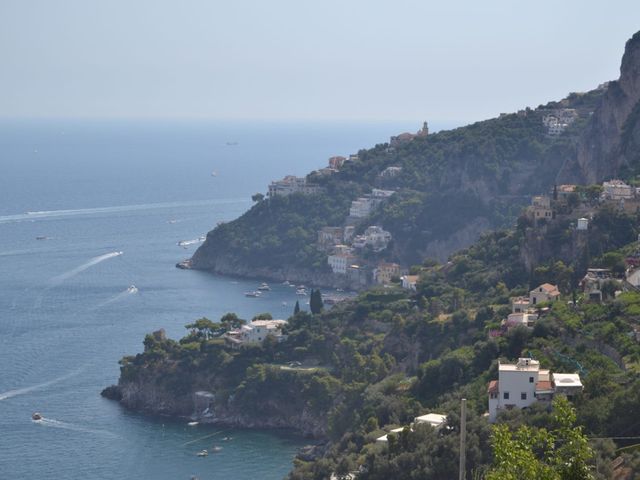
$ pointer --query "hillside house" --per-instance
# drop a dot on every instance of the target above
(521, 319)
(340, 261)
(524, 383)
(519, 304)
(541, 208)
(292, 184)
(617, 190)
(564, 191)
(363, 206)
(375, 237)
(330, 236)
(593, 282)
(390, 172)
(256, 332)
(544, 293)
(336, 162)
(410, 282)
(385, 272)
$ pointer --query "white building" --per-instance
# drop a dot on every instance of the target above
(521, 318)
(519, 304)
(409, 282)
(522, 384)
(617, 190)
(583, 224)
(385, 438)
(362, 207)
(568, 384)
(517, 386)
(339, 262)
(256, 332)
(544, 293)
(390, 172)
(292, 184)
(436, 420)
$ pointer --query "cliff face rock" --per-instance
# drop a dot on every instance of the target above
(148, 396)
(603, 146)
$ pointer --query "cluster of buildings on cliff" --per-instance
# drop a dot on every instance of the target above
(613, 192)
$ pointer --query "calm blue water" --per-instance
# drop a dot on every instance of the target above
(65, 314)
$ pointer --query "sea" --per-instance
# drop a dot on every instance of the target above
(94, 215)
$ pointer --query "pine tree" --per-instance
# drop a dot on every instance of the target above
(315, 302)
(296, 309)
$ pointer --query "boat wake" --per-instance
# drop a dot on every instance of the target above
(132, 290)
(72, 273)
(185, 243)
(44, 214)
(25, 390)
(50, 422)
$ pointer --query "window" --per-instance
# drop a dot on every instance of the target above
(506, 395)
(530, 379)
(523, 396)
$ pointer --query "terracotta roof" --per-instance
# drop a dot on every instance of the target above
(493, 386)
(544, 386)
(547, 287)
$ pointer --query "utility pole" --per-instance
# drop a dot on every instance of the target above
(463, 439)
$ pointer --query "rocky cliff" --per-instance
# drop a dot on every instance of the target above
(610, 140)
(149, 395)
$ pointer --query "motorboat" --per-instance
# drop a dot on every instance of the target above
(264, 287)
(216, 448)
(301, 292)
(192, 424)
(132, 289)
(202, 453)
(255, 293)
(36, 416)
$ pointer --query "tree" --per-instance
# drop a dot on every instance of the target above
(562, 453)
(205, 328)
(262, 316)
(257, 197)
(231, 320)
(315, 302)
(296, 309)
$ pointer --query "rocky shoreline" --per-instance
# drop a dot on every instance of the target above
(236, 268)
(149, 399)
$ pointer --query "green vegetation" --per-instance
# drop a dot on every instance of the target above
(474, 177)
(375, 363)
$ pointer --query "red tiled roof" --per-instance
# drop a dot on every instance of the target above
(547, 287)
(493, 386)
(544, 386)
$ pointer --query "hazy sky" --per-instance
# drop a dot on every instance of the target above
(304, 59)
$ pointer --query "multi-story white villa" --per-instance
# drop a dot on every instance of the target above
(256, 331)
(524, 383)
(339, 262)
(292, 184)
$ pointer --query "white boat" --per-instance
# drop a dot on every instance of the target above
(255, 293)
(301, 292)
(202, 453)
(264, 287)
(214, 174)
(36, 416)
(192, 424)
(132, 289)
